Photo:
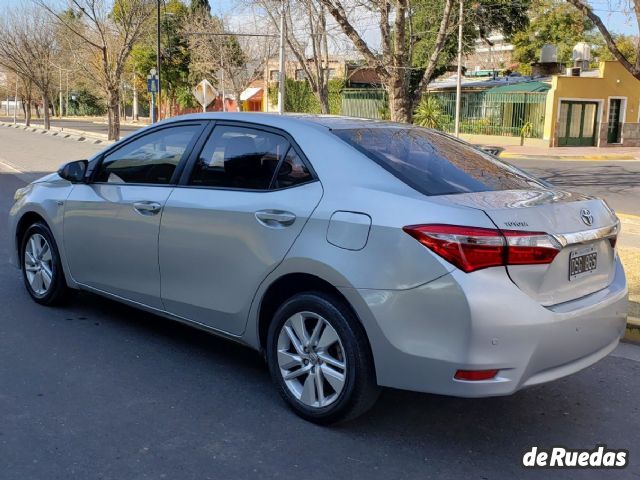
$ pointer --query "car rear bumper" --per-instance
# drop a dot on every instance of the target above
(420, 337)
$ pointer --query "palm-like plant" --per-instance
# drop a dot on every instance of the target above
(429, 113)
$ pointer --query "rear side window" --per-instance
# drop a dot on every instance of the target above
(151, 159)
(239, 157)
(292, 171)
(433, 163)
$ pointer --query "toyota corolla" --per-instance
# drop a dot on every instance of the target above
(354, 254)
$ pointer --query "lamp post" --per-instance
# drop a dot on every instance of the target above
(158, 55)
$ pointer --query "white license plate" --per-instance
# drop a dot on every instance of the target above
(582, 262)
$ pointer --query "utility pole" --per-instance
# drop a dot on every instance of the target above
(135, 100)
(60, 95)
(459, 79)
(158, 56)
(15, 104)
(281, 79)
(67, 99)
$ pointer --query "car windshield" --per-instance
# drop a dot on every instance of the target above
(434, 163)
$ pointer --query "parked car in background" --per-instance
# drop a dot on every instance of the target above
(354, 254)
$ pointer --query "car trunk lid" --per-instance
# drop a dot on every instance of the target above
(583, 227)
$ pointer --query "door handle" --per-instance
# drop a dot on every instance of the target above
(275, 218)
(147, 208)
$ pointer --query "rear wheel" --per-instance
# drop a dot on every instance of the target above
(320, 360)
(41, 266)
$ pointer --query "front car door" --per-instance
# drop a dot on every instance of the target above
(239, 208)
(111, 223)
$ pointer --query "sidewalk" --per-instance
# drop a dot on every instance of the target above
(570, 153)
(629, 251)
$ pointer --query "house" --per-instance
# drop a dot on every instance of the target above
(599, 109)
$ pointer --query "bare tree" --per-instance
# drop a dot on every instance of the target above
(27, 47)
(307, 40)
(105, 32)
(220, 55)
(393, 63)
(634, 5)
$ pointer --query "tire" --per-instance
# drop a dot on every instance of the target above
(38, 261)
(340, 341)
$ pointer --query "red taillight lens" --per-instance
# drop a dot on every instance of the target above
(529, 248)
(468, 248)
(475, 375)
(473, 248)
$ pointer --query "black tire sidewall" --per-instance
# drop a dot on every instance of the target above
(355, 349)
(57, 282)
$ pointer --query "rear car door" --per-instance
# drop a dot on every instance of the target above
(240, 205)
(111, 223)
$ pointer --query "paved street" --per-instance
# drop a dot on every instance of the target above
(99, 390)
(618, 182)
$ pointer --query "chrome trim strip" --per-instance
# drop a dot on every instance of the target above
(585, 236)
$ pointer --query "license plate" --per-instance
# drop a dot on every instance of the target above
(582, 262)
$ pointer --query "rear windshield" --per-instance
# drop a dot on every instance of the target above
(434, 163)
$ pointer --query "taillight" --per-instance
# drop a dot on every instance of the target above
(473, 248)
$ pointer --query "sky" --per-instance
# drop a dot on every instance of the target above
(612, 12)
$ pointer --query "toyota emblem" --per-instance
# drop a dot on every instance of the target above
(586, 216)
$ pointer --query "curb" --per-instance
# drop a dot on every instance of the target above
(632, 332)
(575, 158)
(77, 135)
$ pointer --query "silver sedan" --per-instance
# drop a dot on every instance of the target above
(354, 254)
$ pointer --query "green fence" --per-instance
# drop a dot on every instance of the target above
(486, 113)
(481, 113)
(365, 103)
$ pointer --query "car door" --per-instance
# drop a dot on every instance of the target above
(238, 209)
(111, 223)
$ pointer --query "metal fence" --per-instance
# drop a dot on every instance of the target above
(365, 103)
(481, 113)
(486, 113)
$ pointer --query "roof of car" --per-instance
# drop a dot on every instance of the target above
(333, 122)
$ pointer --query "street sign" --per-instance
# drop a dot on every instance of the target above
(204, 93)
(152, 83)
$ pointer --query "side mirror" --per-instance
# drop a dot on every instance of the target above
(74, 171)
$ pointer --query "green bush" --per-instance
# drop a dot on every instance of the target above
(299, 97)
(86, 103)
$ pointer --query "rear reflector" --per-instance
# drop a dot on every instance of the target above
(475, 375)
(473, 248)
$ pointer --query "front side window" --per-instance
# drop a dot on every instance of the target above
(239, 157)
(433, 163)
(151, 159)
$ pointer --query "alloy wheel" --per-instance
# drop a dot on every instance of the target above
(311, 359)
(38, 264)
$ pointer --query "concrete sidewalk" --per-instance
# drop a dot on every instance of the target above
(629, 251)
(570, 153)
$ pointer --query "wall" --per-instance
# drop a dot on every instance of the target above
(612, 81)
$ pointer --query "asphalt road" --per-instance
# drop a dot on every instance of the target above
(618, 182)
(96, 390)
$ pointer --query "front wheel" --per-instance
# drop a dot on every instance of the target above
(41, 266)
(320, 360)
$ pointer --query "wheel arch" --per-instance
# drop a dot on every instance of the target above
(285, 287)
(26, 220)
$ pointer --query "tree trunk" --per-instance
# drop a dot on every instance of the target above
(323, 97)
(399, 99)
(45, 108)
(113, 109)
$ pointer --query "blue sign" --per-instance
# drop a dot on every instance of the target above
(152, 84)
